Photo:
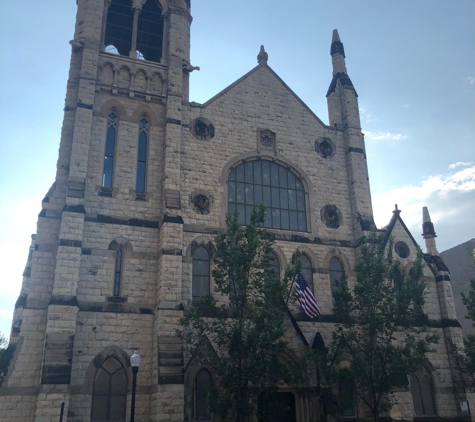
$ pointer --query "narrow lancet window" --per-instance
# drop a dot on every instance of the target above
(202, 387)
(336, 273)
(201, 273)
(142, 154)
(110, 149)
(274, 263)
(150, 31)
(118, 272)
(306, 269)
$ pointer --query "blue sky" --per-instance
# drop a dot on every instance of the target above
(411, 62)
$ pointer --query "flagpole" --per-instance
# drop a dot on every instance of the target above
(290, 290)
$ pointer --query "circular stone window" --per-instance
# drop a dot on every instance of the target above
(402, 250)
(331, 216)
(325, 147)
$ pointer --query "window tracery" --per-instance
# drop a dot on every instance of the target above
(279, 189)
(422, 390)
(109, 392)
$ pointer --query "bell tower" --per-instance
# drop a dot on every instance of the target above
(117, 182)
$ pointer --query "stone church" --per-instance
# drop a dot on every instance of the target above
(145, 177)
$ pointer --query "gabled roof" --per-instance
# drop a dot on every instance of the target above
(251, 72)
(389, 228)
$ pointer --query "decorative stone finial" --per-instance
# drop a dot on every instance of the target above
(262, 57)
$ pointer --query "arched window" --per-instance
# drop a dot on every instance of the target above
(274, 263)
(346, 392)
(109, 392)
(118, 272)
(133, 29)
(202, 386)
(109, 153)
(255, 182)
(118, 34)
(335, 270)
(150, 31)
(306, 269)
(422, 390)
(142, 154)
(201, 273)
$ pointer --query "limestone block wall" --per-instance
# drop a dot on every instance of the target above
(261, 101)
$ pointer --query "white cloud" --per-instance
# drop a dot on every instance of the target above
(383, 136)
(450, 200)
(471, 80)
(406, 105)
(459, 164)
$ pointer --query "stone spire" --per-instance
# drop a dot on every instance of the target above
(262, 57)
(428, 232)
(338, 54)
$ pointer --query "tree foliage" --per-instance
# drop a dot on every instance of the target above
(377, 345)
(6, 354)
(466, 358)
(238, 332)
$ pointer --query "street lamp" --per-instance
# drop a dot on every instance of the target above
(135, 360)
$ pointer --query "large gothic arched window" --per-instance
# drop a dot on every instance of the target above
(109, 395)
(281, 191)
(422, 390)
(201, 273)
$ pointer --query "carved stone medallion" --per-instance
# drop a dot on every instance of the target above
(331, 216)
(267, 139)
(202, 129)
(201, 203)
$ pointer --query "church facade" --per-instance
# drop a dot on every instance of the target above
(145, 177)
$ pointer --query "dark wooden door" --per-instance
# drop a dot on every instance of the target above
(277, 407)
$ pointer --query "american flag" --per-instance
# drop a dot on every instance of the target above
(305, 296)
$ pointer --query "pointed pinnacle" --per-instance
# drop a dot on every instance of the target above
(337, 45)
(262, 57)
(335, 36)
(425, 215)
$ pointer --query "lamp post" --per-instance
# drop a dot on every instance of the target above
(135, 360)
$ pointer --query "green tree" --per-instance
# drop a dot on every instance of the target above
(6, 354)
(466, 358)
(238, 332)
(376, 345)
